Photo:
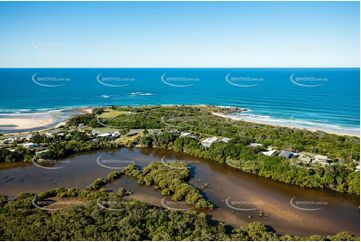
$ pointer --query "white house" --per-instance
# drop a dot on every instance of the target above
(30, 145)
(305, 159)
(8, 140)
(209, 141)
(254, 145)
(184, 134)
(225, 140)
(322, 159)
(133, 132)
(269, 152)
(115, 134)
(105, 135)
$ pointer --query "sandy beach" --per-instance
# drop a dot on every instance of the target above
(294, 124)
(25, 122)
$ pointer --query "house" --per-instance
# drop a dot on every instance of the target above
(30, 145)
(105, 135)
(320, 157)
(28, 137)
(225, 140)
(133, 132)
(286, 154)
(254, 145)
(295, 155)
(52, 133)
(322, 160)
(184, 134)
(209, 141)
(187, 134)
(8, 140)
(305, 159)
(115, 134)
(49, 134)
(269, 152)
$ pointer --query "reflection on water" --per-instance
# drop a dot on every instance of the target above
(239, 198)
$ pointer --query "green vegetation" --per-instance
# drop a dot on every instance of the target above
(120, 219)
(171, 179)
(109, 216)
(249, 160)
(101, 182)
(19, 154)
(199, 120)
(73, 143)
(344, 150)
(56, 146)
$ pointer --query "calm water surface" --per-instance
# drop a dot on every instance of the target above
(239, 197)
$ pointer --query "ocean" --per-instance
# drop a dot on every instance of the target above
(314, 97)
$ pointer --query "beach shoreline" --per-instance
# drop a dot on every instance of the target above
(341, 132)
(36, 121)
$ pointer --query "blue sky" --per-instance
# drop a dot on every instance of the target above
(179, 34)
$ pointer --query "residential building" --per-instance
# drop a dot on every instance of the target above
(269, 152)
(225, 140)
(30, 145)
(209, 141)
(254, 145)
(286, 154)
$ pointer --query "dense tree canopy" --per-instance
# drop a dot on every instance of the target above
(120, 219)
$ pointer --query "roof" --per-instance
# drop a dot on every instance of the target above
(104, 135)
(184, 134)
(269, 152)
(286, 154)
(134, 131)
(321, 157)
(254, 145)
(209, 141)
(225, 140)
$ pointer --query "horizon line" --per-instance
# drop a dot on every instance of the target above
(230, 67)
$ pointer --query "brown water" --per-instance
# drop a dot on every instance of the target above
(239, 197)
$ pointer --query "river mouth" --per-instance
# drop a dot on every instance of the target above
(239, 198)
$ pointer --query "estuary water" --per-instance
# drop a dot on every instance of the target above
(239, 198)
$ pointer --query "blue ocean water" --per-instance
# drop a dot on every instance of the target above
(326, 97)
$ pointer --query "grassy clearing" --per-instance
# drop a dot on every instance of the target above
(110, 113)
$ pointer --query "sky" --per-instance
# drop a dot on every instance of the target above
(179, 34)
